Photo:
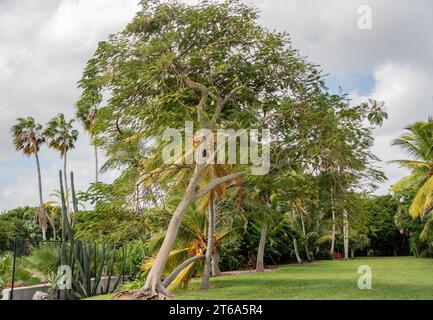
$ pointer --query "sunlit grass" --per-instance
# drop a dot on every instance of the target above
(393, 278)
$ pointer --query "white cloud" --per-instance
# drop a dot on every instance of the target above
(407, 90)
(45, 45)
(44, 48)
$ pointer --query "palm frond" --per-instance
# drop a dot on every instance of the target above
(412, 181)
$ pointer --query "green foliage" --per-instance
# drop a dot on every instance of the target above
(27, 136)
(18, 223)
(113, 218)
(22, 276)
(45, 259)
(135, 255)
(417, 142)
(60, 134)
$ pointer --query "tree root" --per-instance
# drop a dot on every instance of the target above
(159, 293)
(146, 295)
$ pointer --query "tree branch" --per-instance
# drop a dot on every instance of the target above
(221, 104)
(215, 183)
(176, 272)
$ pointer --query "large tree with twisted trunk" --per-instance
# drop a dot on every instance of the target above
(211, 64)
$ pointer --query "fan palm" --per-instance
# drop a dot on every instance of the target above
(61, 137)
(418, 143)
(28, 138)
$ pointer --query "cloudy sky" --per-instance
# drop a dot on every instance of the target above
(44, 46)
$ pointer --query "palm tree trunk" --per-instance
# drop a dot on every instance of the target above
(41, 213)
(215, 264)
(183, 266)
(205, 284)
(38, 167)
(333, 223)
(260, 266)
(96, 165)
(65, 176)
(153, 287)
(216, 271)
(346, 234)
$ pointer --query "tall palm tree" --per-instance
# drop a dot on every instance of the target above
(61, 137)
(418, 143)
(28, 137)
(88, 118)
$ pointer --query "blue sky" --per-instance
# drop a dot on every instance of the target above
(45, 45)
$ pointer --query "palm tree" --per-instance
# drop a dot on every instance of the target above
(192, 247)
(418, 143)
(88, 118)
(28, 138)
(62, 136)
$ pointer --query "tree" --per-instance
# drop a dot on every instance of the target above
(19, 223)
(28, 138)
(209, 63)
(418, 143)
(62, 137)
(87, 116)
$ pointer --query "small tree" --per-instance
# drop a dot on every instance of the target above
(28, 138)
(62, 137)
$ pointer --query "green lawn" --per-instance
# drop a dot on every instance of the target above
(393, 278)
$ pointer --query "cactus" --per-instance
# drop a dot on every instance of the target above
(66, 226)
(86, 261)
(74, 197)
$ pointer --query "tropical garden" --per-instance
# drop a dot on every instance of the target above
(184, 229)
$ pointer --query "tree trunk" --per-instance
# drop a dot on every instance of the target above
(260, 266)
(307, 250)
(96, 165)
(153, 287)
(346, 234)
(215, 264)
(333, 223)
(179, 269)
(53, 226)
(295, 245)
(205, 284)
(216, 271)
(44, 233)
(41, 214)
(38, 167)
(295, 242)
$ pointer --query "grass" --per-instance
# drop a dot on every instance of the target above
(393, 278)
